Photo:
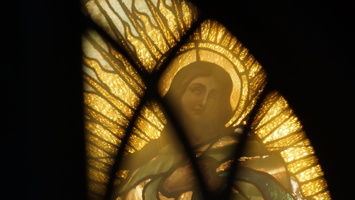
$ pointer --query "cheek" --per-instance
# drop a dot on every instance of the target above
(188, 100)
(212, 100)
(185, 101)
(212, 105)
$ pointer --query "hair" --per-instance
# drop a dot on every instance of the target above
(202, 69)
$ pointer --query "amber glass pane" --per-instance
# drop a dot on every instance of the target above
(146, 29)
(281, 132)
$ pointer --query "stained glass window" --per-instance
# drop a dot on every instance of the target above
(171, 95)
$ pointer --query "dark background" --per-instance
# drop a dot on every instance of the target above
(306, 48)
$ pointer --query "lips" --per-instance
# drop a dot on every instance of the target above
(199, 111)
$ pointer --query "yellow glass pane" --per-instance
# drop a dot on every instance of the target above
(310, 174)
(281, 131)
(146, 29)
(286, 142)
(314, 187)
(288, 127)
(322, 196)
(302, 164)
(294, 153)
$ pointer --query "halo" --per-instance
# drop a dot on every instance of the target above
(213, 43)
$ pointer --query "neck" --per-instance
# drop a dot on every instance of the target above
(201, 134)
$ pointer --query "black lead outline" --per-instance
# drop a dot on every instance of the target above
(151, 93)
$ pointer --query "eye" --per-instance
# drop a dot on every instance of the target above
(197, 89)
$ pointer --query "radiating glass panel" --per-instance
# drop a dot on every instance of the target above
(281, 132)
(146, 29)
(112, 91)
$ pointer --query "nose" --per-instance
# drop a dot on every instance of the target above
(204, 99)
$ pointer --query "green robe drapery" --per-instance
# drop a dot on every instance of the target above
(248, 182)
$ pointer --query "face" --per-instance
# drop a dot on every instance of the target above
(199, 101)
